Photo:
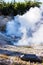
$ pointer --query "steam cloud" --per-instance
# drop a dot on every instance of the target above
(29, 26)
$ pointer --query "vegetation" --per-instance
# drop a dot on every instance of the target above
(8, 60)
(16, 7)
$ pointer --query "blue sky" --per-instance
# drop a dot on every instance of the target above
(20, 0)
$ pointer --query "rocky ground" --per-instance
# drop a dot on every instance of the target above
(16, 61)
(22, 49)
(9, 55)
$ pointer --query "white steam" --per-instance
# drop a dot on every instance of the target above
(30, 24)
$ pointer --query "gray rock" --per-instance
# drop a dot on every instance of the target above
(31, 58)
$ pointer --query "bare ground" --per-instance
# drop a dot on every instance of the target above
(12, 59)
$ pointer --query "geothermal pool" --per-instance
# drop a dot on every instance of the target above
(27, 29)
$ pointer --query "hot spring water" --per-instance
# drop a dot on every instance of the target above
(27, 27)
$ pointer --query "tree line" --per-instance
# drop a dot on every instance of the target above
(15, 8)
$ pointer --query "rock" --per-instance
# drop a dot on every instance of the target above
(31, 58)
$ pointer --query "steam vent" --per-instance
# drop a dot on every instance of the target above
(21, 35)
